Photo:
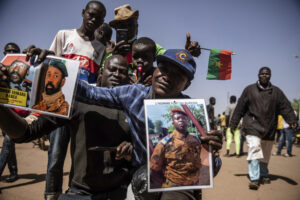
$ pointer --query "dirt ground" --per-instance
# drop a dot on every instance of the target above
(230, 184)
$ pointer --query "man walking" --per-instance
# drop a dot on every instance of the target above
(211, 112)
(259, 105)
(229, 112)
(287, 138)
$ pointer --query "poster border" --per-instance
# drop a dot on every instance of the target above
(36, 78)
(176, 101)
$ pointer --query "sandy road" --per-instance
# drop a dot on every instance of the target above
(230, 184)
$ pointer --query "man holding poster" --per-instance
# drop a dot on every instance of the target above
(174, 73)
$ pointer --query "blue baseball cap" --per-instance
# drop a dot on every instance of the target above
(182, 59)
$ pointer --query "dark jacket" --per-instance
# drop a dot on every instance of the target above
(260, 108)
(90, 126)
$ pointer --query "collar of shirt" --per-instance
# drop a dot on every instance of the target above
(269, 87)
(150, 95)
(178, 135)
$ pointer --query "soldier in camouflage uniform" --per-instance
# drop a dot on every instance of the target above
(53, 98)
(177, 155)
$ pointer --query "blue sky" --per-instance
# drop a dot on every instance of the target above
(261, 32)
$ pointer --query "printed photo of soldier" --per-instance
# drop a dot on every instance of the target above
(176, 156)
(50, 96)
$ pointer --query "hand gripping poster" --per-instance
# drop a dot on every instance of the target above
(45, 88)
(177, 160)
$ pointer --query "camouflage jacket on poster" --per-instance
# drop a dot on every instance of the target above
(60, 106)
(179, 158)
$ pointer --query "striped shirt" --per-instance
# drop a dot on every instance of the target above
(130, 99)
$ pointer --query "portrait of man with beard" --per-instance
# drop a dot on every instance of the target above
(17, 73)
(14, 74)
(53, 100)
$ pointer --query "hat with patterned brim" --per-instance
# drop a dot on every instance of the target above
(123, 13)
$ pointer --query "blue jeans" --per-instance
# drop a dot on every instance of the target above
(257, 169)
(59, 140)
(286, 135)
(8, 155)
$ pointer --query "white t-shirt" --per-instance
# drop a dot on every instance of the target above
(68, 44)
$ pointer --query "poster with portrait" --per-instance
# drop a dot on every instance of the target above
(176, 158)
(45, 88)
(16, 77)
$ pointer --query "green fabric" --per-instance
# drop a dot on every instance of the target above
(237, 140)
(104, 59)
(159, 51)
(213, 69)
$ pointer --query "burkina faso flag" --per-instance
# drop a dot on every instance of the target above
(219, 66)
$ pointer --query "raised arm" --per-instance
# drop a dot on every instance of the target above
(192, 46)
(108, 97)
(27, 129)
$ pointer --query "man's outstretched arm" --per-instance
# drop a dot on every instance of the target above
(115, 97)
(30, 128)
(11, 123)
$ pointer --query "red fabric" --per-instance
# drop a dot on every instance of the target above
(129, 57)
(85, 62)
(225, 69)
(21, 112)
(36, 114)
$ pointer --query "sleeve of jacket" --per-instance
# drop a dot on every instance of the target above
(114, 97)
(240, 110)
(37, 126)
(157, 158)
(285, 108)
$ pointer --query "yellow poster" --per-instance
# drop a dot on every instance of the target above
(12, 96)
(47, 87)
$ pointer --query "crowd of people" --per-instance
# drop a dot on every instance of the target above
(108, 111)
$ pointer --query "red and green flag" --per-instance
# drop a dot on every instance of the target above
(219, 65)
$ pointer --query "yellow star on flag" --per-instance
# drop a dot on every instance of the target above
(218, 64)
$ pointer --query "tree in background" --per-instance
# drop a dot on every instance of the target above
(150, 126)
(158, 126)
